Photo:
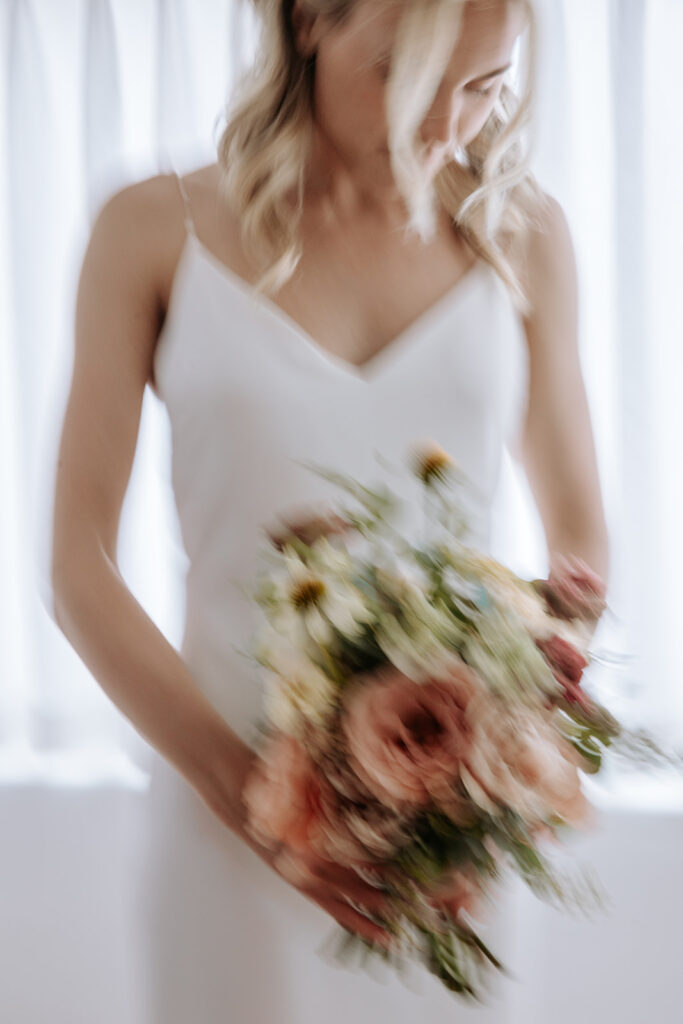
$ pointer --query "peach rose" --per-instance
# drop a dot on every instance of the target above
(518, 759)
(281, 793)
(406, 739)
(288, 800)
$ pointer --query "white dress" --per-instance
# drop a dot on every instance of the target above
(224, 939)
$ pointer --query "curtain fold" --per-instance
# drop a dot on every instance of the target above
(97, 94)
(34, 243)
(632, 358)
(662, 331)
(175, 104)
(102, 101)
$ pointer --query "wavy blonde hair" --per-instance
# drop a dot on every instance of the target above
(487, 188)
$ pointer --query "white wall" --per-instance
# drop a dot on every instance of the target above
(68, 929)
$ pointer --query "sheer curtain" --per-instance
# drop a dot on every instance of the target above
(96, 94)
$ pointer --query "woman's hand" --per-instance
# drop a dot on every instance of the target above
(332, 887)
(338, 890)
(573, 589)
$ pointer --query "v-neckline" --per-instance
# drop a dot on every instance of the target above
(369, 370)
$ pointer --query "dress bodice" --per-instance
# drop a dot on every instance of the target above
(250, 397)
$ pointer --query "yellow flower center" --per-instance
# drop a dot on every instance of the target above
(307, 592)
(433, 462)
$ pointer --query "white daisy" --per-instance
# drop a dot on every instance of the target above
(418, 654)
(314, 601)
(295, 688)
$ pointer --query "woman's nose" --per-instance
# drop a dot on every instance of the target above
(440, 126)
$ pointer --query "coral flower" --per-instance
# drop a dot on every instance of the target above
(406, 739)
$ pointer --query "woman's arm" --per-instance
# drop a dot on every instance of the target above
(558, 450)
(117, 324)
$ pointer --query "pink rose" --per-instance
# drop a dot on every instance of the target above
(573, 589)
(406, 739)
(288, 800)
(282, 793)
(518, 759)
(567, 665)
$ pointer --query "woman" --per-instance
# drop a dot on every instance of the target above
(414, 282)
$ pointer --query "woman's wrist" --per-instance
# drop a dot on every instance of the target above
(222, 772)
(221, 785)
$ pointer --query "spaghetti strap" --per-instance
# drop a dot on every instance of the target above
(189, 221)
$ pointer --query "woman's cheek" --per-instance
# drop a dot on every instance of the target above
(371, 119)
(474, 125)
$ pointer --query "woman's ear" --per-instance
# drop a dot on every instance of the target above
(308, 28)
(303, 25)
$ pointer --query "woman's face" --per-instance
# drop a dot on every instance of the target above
(352, 64)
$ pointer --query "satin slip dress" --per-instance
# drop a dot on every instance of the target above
(249, 397)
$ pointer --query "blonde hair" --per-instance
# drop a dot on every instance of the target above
(487, 189)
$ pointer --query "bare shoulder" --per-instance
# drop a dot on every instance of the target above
(135, 232)
(204, 179)
(146, 221)
(547, 265)
(216, 224)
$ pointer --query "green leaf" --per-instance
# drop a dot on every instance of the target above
(590, 755)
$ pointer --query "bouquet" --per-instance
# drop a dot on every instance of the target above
(424, 710)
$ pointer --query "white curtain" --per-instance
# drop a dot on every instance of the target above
(98, 93)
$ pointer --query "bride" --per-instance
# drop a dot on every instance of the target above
(372, 192)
